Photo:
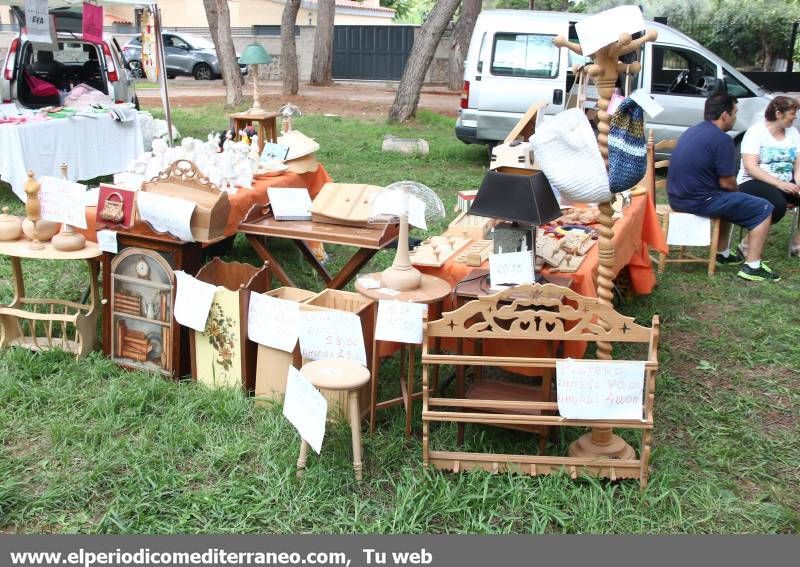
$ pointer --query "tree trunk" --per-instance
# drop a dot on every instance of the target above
(322, 67)
(460, 42)
(219, 24)
(425, 43)
(291, 82)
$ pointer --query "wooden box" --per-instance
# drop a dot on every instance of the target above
(365, 308)
(221, 355)
(182, 180)
(272, 366)
(470, 226)
(344, 203)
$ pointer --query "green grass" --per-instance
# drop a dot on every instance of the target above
(87, 447)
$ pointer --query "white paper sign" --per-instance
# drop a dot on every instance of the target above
(416, 212)
(290, 203)
(107, 241)
(167, 214)
(589, 389)
(604, 28)
(686, 229)
(367, 282)
(331, 334)
(273, 322)
(305, 408)
(63, 201)
(399, 321)
(389, 203)
(37, 21)
(513, 268)
(648, 104)
(193, 300)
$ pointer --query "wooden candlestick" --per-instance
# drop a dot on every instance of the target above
(605, 69)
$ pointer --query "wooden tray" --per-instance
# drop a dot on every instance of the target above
(470, 226)
(426, 253)
(344, 203)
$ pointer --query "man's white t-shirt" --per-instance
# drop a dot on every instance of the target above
(776, 157)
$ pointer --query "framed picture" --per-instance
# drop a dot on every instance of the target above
(115, 206)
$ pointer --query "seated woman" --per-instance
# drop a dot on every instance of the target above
(770, 166)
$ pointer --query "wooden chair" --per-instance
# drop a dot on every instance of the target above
(664, 211)
(531, 312)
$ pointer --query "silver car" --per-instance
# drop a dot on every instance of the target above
(186, 54)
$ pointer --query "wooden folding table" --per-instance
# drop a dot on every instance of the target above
(260, 222)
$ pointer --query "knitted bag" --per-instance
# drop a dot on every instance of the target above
(567, 152)
(627, 147)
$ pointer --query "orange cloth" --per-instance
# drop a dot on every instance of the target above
(241, 202)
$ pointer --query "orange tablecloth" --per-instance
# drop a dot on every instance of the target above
(633, 233)
(240, 202)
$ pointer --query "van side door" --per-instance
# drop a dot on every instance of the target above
(680, 80)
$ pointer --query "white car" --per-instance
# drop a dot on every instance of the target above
(35, 76)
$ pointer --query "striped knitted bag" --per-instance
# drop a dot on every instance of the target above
(627, 148)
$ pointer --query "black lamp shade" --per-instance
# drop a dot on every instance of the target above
(527, 199)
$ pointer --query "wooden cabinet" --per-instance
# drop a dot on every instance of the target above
(139, 327)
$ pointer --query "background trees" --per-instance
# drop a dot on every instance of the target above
(291, 81)
(219, 25)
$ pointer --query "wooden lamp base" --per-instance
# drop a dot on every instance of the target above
(601, 443)
(401, 278)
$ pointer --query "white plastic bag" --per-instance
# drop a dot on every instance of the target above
(566, 149)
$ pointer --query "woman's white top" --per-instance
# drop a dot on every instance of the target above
(776, 157)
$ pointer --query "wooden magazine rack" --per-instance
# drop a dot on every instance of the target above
(532, 312)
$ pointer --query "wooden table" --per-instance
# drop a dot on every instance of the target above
(431, 292)
(74, 323)
(259, 222)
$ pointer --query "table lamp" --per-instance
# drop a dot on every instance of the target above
(255, 55)
(525, 201)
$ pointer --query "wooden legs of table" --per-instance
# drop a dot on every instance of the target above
(337, 281)
(406, 379)
(355, 431)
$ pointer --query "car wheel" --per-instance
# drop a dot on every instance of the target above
(203, 72)
(136, 69)
(170, 76)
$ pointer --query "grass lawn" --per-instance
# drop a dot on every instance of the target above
(87, 447)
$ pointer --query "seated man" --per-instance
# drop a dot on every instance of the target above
(701, 181)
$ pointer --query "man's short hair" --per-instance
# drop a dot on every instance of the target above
(718, 103)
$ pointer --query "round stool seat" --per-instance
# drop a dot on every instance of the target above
(336, 374)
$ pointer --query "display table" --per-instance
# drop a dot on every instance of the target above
(89, 146)
(43, 323)
(431, 292)
(241, 202)
(259, 222)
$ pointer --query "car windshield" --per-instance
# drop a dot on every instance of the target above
(198, 42)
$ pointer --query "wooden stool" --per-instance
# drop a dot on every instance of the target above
(338, 374)
(264, 123)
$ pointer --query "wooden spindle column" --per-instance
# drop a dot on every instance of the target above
(601, 441)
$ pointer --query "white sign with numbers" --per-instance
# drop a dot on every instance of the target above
(399, 321)
(589, 389)
(331, 334)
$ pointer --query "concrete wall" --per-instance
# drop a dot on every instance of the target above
(437, 73)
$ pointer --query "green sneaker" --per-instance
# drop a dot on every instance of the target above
(760, 274)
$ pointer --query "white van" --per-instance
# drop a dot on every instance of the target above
(512, 62)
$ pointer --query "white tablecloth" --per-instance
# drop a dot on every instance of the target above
(89, 146)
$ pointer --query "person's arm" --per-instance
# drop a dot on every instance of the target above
(750, 162)
(728, 183)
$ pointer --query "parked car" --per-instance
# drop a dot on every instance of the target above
(512, 62)
(35, 76)
(186, 54)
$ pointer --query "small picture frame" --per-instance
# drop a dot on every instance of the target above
(115, 206)
(274, 152)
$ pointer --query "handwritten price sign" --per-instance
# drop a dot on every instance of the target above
(331, 334)
(513, 268)
(273, 322)
(589, 389)
(399, 321)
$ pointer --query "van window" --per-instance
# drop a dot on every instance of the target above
(735, 86)
(524, 55)
(681, 72)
